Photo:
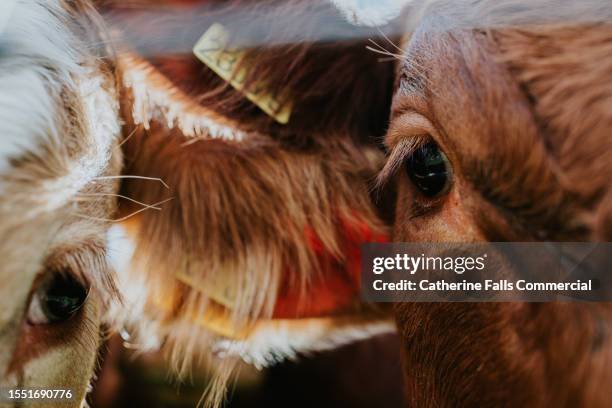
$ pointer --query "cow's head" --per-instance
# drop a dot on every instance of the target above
(500, 131)
(59, 155)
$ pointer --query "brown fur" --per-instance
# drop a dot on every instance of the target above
(518, 104)
(523, 114)
(245, 212)
(248, 209)
(242, 208)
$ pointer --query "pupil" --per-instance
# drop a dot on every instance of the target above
(62, 297)
(428, 169)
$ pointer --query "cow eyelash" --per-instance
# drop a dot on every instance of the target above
(399, 153)
(62, 288)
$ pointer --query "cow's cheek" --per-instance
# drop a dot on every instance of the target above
(64, 360)
(451, 219)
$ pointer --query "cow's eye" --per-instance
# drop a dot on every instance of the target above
(429, 170)
(57, 298)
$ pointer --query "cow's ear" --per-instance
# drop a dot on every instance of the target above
(260, 229)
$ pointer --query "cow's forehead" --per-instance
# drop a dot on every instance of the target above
(29, 49)
(27, 114)
(58, 109)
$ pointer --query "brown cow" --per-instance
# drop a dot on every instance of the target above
(515, 97)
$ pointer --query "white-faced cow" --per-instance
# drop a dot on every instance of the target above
(59, 156)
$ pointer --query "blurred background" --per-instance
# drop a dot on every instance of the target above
(363, 374)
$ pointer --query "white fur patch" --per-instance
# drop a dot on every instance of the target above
(130, 312)
(370, 12)
(167, 104)
(39, 58)
(102, 129)
(27, 113)
(6, 11)
(33, 39)
(279, 340)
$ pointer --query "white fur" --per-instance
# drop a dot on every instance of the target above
(130, 312)
(370, 12)
(278, 340)
(27, 113)
(34, 38)
(6, 12)
(39, 58)
(167, 104)
(102, 128)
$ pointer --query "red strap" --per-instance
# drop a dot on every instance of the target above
(336, 285)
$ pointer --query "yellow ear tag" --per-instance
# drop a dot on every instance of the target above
(229, 64)
(223, 289)
(215, 318)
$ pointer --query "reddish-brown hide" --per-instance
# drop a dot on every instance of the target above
(523, 114)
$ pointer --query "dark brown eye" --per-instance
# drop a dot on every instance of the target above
(58, 298)
(429, 170)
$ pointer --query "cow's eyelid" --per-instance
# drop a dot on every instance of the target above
(408, 131)
(398, 154)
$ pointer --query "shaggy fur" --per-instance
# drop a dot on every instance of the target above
(272, 211)
(263, 218)
(232, 222)
(153, 97)
(215, 185)
(517, 96)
